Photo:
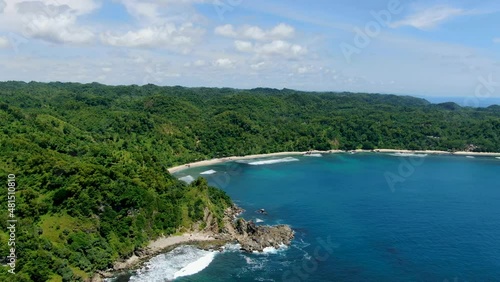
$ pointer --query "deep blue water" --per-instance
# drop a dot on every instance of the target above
(440, 221)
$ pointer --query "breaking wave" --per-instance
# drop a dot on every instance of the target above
(208, 172)
(182, 261)
(313, 155)
(274, 161)
(409, 155)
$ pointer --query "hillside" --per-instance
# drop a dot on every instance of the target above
(91, 160)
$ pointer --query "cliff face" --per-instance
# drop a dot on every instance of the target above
(231, 229)
(252, 237)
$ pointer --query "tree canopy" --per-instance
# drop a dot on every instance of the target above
(91, 160)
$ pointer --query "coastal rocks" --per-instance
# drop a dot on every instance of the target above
(208, 234)
(252, 237)
(262, 211)
(257, 238)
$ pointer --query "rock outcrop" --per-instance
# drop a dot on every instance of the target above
(252, 237)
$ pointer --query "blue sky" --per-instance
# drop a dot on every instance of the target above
(423, 48)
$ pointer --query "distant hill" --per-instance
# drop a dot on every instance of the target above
(451, 106)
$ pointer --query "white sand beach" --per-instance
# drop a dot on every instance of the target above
(249, 157)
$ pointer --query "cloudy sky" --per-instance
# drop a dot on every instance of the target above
(426, 48)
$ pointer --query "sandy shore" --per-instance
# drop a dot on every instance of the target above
(165, 242)
(430, 152)
(235, 158)
(440, 153)
(249, 157)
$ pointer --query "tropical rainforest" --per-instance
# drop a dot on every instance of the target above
(91, 160)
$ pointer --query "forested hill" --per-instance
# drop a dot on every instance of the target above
(91, 160)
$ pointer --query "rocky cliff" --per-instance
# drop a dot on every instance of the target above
(252, 237)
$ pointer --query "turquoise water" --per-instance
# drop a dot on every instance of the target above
(366, 217)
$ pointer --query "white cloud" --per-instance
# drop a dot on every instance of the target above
(281, 31)
(430, 17)
(280, 47)
(274, 48)
(153, 12)
(2, 6)
(141, 10)
(4, 42)
(224, 63)
(226, 30)
(303, 70)
(199, 63)
(51, 20)
(253, 32)
(243, 46)
(258, 66)
(167, 36)
(59, 29)
(496, 40)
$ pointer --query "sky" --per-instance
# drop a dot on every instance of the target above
(421, 48)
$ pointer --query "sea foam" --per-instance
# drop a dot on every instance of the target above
(274, 161)
(196, 266)
(182, 261)
(409, 155)
(313, 155)
(208, 172)
(272, 250)
(188, 179)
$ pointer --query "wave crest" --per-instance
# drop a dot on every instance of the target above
(208, 172)
(182, 261)
(409, 155)
(313, 155)
(274, 161)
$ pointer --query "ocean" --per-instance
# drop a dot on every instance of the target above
(357, 217)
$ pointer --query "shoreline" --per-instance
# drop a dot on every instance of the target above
(160, 244)
(204, 240)
(247, 157)
(250, 237)
(208, 240)
(179, 168)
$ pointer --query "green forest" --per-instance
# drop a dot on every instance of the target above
(91, 160)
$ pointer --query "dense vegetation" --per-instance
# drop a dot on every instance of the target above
(91, 160)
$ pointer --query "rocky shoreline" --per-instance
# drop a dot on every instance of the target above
(247, 234)
(251, 237)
